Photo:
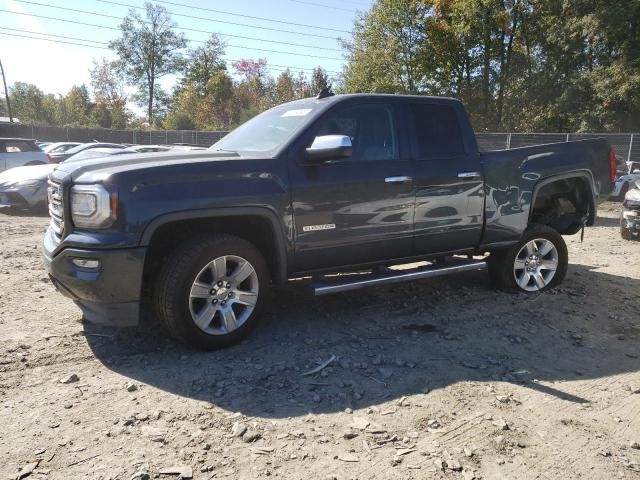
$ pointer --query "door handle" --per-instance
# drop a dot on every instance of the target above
(398, 179)
(469, 175)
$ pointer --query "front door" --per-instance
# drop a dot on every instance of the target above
(359, 209)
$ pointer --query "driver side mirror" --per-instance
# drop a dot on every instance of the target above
(329, 147)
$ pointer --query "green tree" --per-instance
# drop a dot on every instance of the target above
(148, 49)
(30, 104)
(319, 80)
(204, 62)
(179, 121)
(388, 52)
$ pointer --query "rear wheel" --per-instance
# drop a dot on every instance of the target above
(210, 291)
(535, 264)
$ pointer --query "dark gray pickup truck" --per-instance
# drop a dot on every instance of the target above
(325, 185)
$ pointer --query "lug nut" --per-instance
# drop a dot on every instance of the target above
(219, 284)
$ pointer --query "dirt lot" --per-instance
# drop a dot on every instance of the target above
(435, 379)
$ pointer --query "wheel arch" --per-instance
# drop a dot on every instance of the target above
(553, 199)
(258, 225)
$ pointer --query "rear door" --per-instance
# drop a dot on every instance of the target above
(449, 184)
(354, 210)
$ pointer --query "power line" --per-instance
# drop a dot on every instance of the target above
(178, 28)
(176, 4)
(52, 41)
(232, 46)
(305, 34)
(276, 67)
(322, 5)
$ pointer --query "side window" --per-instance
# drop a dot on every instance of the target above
(438, 131)
(370, 128)
(17, 146)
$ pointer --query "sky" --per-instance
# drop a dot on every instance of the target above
(307, 30)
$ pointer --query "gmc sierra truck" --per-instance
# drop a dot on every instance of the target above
(317, 187)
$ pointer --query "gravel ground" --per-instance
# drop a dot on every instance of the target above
(442, 378)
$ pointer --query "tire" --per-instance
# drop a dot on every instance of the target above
(533, 272)
(221, 280)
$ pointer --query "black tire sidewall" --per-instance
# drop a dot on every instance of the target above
(181, 270)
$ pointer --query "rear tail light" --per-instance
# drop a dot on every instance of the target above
(612, 165)
(50, 159)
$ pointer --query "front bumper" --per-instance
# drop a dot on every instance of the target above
(107, 295)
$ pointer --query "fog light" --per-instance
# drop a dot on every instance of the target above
(86, 263)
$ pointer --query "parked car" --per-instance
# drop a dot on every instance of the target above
(17, 152)
(630, 217)
(62, 156)
(60, 147)
(626, 178)
(25, 187)
(206, 233)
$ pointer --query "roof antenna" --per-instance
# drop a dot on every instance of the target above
(325, 92)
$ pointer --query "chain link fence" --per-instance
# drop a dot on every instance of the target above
(137, 137)
(625, 145)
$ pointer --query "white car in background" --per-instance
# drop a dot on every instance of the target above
(626, 179)
(59, 147)
(17, 152)
(25, 187)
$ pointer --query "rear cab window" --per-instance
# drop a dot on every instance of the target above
(438, 131)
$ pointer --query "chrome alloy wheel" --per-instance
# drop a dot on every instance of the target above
(223, 295)
(535, 265)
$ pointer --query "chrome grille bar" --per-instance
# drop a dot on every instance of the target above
(56, 210)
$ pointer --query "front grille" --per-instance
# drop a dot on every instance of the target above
(56, 210)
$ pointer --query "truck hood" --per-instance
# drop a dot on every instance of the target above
(100, 169)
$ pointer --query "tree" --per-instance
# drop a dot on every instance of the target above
(179, 121)
(388, 52)
(319, 80)
(203, 62)
(148, 49)
(285, 87)
(30, 104)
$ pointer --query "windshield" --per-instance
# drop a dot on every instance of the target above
(267, 133)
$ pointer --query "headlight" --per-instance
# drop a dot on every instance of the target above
(92, 206)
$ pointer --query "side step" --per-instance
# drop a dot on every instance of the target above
(352, 282)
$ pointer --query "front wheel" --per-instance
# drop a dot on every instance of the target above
(210, 290)
(535, 264)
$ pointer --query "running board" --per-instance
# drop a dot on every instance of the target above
(342, 284)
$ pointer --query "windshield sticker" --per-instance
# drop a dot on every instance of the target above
(296, 113)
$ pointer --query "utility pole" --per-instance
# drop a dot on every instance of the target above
(6, 92)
